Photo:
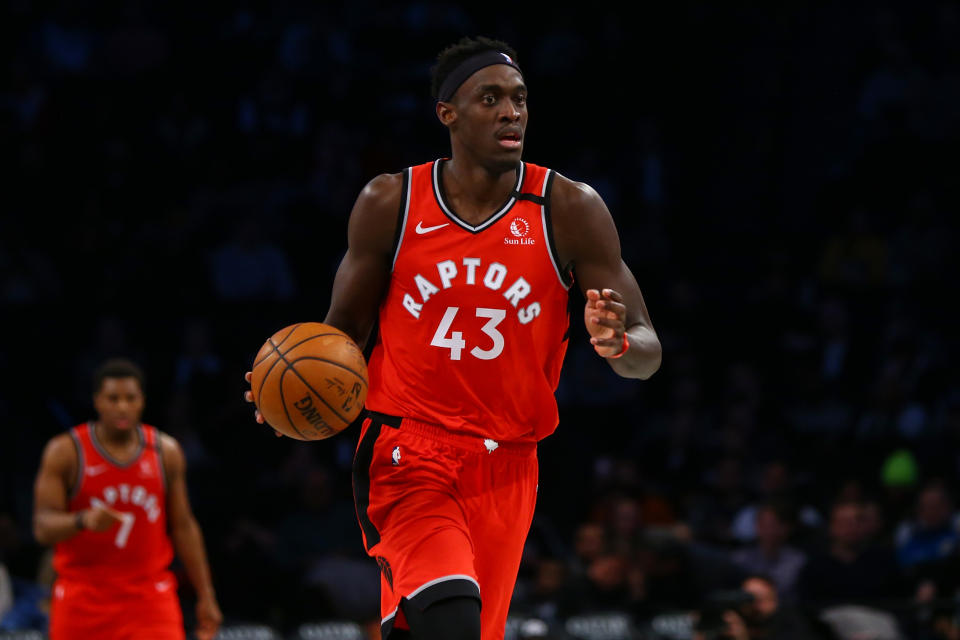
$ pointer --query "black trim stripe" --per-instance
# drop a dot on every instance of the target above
(383, 418)
(80, 462)
(361, 482)
(565, 277)
(440, 196)
(531, 197)
(573, 306)
(402, 213)
(106, 456)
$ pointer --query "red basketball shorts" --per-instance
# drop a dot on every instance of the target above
(148, 611)
(444, 515)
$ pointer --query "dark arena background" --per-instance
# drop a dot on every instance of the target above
(176, 184)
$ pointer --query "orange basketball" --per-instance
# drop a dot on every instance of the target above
(309, 381)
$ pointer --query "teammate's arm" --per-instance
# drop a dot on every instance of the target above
(52, 522)
(364, 272)
(587, 240)
(188, 539)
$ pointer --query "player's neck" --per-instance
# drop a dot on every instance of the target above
(114, 437)
(476, 191)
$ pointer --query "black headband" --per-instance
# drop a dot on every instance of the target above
(469, 67)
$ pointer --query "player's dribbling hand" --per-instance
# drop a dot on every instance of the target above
(605, 317)
(248, 396)
(100, 518)
(209, 618)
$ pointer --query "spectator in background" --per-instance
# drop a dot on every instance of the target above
(850, 571)
(589, 543)
(775, 482)
(772, 555)
(934, 533)
(624, 520)
(712, 513)
(765, 617)
(604, 587)
(549, 596)
(899, 476)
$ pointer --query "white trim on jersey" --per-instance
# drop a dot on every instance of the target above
(489, 221)
(547, 232)
(408, 178)
(383, 621)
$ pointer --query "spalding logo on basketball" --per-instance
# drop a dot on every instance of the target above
(519, 227)
(309, 381)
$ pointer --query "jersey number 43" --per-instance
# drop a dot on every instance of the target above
(457, 344)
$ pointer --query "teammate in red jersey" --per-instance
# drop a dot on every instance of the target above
(468, 261)
(111, 496)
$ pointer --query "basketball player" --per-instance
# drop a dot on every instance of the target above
(468, 261)
(111, 496)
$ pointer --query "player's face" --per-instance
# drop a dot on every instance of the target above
(492, 114)
(119, 403)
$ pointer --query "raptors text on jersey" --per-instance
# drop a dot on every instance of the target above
(473, 327)
(138, 547)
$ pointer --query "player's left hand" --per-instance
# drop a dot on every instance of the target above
(605, 316)
(209, 618)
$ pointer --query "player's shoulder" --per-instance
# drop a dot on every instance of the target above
(60, 451)
(575, 205)
(580, 219)
(383, 189)
(572, 193)
(170, 451)
(167, 443)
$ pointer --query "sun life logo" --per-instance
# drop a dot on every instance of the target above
(519, 227)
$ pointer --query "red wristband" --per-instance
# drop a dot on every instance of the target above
(626, 346)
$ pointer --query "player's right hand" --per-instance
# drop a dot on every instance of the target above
(100, 518)
(248, 396)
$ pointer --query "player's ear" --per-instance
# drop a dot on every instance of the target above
(446, 113)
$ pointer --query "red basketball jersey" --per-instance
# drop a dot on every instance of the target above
(137, 548)
(473, 327)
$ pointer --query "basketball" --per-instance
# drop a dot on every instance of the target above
(309, 381)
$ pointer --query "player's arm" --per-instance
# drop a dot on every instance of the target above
(586, 239)
(364, 272)
(188, 539)
(52, 522)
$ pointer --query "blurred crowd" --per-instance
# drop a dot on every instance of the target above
(178, 179)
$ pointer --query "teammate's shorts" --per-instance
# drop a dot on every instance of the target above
(444, 515)
(147, 611)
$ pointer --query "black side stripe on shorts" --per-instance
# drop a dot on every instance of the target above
(361, 482)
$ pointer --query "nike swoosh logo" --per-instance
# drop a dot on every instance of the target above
(422, 229)
(96, 470)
